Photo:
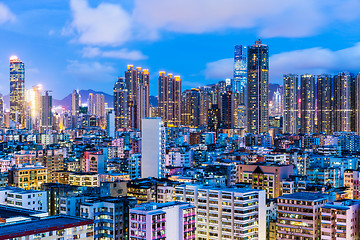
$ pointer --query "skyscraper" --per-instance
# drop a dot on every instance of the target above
(343, 107)
(75, 103)
(240, 72)
(290, 112)
(170, 98)
(227, 110)
(206, 100)
(190, 111)
(46, 112)
(17, 91)
(1, 110)
(137, 84)
(307, 105)
(357, 104)
(153, 140)
(324, 103)
(91, 104)
(99, 105)
(120, 104)
(258, 88)
(214, 118)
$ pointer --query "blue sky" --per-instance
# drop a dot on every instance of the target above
(86, 44)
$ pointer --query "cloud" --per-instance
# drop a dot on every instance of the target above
(107, 24)
(315, 60)
(5, 14)
(91, 71)
(112, 25)
(124, 53)
(220, 69)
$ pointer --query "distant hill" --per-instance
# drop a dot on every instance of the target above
(66, 101)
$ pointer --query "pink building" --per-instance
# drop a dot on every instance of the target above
(94, 162)
(171, 220)
(351, 181)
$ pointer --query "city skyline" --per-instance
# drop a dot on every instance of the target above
(60, 51)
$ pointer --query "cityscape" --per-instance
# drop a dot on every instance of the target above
(156, 157)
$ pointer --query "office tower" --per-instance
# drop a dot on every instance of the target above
(1, 111)
(121, 104)
(75, 103)
(357, 104)
(206, 99)
(46, 112)
(173, 220)
(17, 91)
(226, 213)
(290, 112)
(324, 103)
(170, 98)
(152, 148)
(137, 84)
(240, 72)
(307, 105)
(227, 110)
(190, 111)
(214, 118)
(343, 107)
(258, 88)
(300, 209)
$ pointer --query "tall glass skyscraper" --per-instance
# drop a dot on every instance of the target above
(240, 72)
(258, 88)
(17, 91)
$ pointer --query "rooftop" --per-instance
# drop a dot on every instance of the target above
(40, 226)
(305, 196)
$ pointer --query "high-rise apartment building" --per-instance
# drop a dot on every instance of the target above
(307, 104)
(190, 111)
(153, 148)
(258, 88)
(137, 84)
(46, 112)
(214, 118)
(17, 91)
(120, 104)
(357, 104)
(290, 103)
(1, 110)
(340, 220)
(227, 117)
(240, 72)
(75, 103)
(226, 213)
(170, 98)
(299, 214)
(343, 102)
(172, 220)
(324, 103)
(206, 101)
(99, 105)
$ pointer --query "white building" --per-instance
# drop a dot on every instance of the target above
(172, 220)
(226, 213)
(340, 220)
(152, 148)
(28, 199)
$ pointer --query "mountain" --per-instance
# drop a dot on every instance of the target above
(84, 95)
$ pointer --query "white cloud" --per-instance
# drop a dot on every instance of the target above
(220, 69)
(110, 24)
(107, 24)
(5, 14)
(124, 53)
(315, 60)
(91, 71)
